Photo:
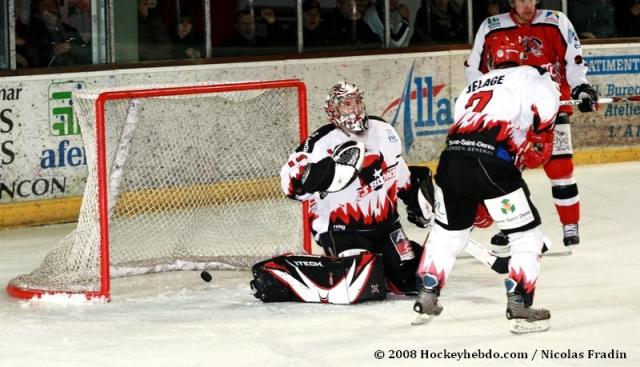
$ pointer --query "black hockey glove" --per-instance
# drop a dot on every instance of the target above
(587, 95)
(318, 176)
(420, 199)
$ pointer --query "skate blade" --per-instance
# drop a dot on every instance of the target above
(522, 326)
(566, 251)
(421, 319)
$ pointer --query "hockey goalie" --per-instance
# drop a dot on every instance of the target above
(351, 172)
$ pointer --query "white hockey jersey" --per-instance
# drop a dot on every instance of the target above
(371, 199)
(493, 113)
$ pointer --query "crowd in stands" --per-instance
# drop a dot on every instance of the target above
(58, 33)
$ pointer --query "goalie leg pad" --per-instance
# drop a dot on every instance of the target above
(307, 278)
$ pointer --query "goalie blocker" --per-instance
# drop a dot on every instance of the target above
(323, 279)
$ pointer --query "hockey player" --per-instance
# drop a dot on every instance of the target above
(353, 201)
(550, 42)
(503, 122)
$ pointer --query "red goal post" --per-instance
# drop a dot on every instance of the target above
(183, 177)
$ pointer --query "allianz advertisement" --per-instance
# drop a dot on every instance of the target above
(42, 155)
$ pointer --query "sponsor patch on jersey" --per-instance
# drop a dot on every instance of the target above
(510, 211)
(402, 245)
(572, 39)
(493, 22)
(562, 140)
(552, 16)
(391, 136)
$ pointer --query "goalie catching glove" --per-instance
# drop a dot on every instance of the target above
(334, 173)
(419, 199)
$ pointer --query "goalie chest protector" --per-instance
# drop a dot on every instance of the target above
(309, 278)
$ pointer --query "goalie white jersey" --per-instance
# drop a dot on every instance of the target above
(368, 201)
(494, 112)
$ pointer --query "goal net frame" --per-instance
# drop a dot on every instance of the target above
(103, 173)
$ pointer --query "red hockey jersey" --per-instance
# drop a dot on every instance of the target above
(550, 42)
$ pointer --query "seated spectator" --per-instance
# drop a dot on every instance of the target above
(628, 15)
(592, 18)
(185, 42)
(153, 38)
(245, 34)
(25, 55)
(487, 8)
(315, 34)
(57, 43)
(399, 22)
(446, 24)
(77, 13)
(347, 25)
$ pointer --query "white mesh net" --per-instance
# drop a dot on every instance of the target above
(192, 182)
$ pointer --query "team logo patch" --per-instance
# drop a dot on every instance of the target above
(532, 45)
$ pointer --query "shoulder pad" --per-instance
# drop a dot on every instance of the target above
(308, 144)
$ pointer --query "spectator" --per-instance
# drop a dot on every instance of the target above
(315, 33)
(399, 22)
(25, 55)
(628, 14)
(487, 8)
(185, 42)
(447, 24)
(58, 43)
(153, 38)
(592, 18)
(77, 13)
(347, 25)
(245, 34)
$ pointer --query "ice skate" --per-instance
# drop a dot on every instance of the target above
(570, 234)
(524, 319)
(426, 306)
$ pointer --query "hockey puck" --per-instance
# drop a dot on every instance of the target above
(206, 276)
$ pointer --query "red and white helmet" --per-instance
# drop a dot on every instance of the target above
(504, 49)
(345, 107)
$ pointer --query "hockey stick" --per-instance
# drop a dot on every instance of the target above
(575, 102)
(498, 264)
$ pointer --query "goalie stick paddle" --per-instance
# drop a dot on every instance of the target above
(575, 102)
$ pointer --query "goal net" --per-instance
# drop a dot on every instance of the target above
(179, 177)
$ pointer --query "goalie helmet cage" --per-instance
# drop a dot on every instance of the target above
(179, 177)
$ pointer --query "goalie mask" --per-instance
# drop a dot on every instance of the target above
(504, 49)
(345, 107)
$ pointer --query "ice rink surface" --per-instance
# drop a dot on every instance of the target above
(176, 319)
